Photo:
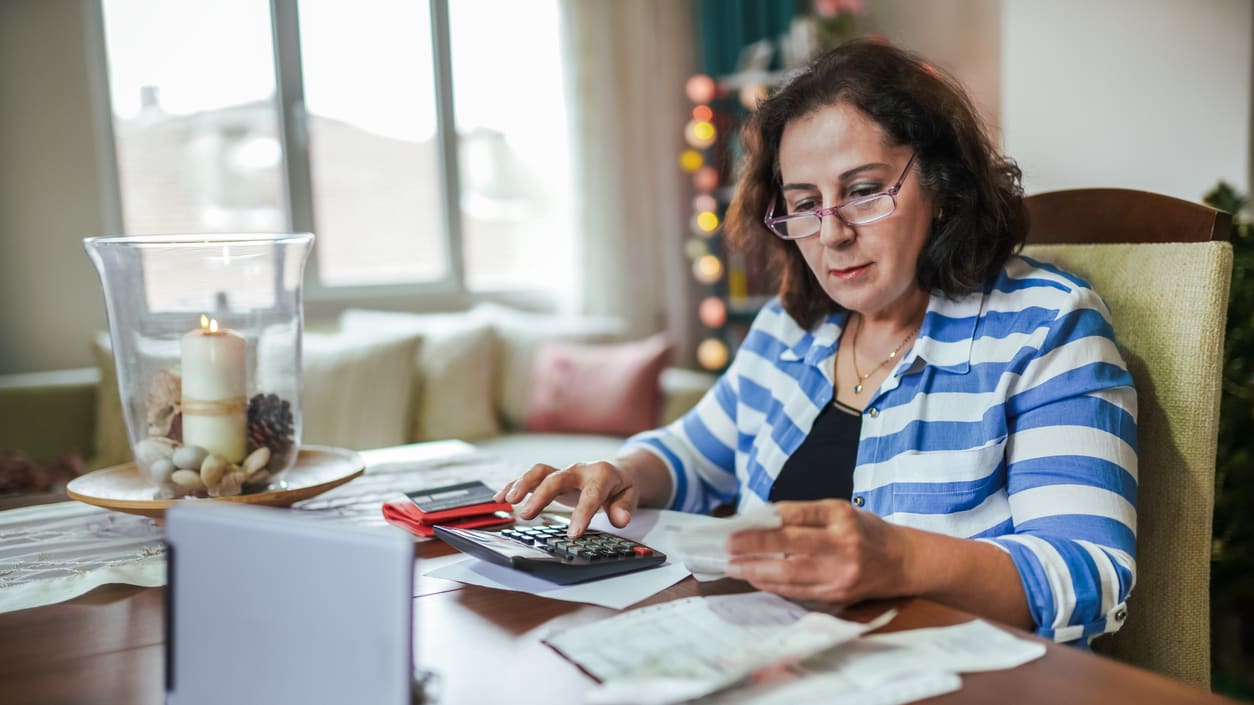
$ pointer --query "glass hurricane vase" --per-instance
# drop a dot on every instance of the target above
(206, 335)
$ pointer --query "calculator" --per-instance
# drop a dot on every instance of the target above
(546, 552)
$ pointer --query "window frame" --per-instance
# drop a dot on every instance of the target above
(448, 293)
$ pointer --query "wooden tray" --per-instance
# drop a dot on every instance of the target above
(317, 469)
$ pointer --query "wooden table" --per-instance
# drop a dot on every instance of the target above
(106, 647)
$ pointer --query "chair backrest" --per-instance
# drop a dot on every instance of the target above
(1163, 266)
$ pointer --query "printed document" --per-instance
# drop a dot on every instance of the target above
(688, 648)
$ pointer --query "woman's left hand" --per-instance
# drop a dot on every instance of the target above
(825, 550)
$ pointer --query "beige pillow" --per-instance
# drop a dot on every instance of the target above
(519, 333)
(452, 392)
(112, 444)
(356, 391)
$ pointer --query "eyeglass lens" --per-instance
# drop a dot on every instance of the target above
(857, 213)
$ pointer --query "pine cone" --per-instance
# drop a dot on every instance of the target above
(270, 425)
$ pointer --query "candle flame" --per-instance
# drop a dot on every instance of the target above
(208, 324)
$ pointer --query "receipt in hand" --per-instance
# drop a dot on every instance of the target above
(704, 548)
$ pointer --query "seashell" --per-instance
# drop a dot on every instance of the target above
(189, 457)
(165, 394)
(231, 485)
(256, 460)
(150, 450)
(160, 470)
(258, 479)
(188, 479)
(212, 469)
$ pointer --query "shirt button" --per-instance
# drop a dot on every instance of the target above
(1121, 615)
(873, 412)
(858, 501)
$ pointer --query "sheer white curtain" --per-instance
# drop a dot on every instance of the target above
(627, 64)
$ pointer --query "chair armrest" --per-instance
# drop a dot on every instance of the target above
(47, 414)
(681, 390)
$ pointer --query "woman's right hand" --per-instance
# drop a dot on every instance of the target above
(586, 486)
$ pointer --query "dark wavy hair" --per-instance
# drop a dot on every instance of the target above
(978, 189)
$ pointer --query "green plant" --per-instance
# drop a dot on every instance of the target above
(1232, 558)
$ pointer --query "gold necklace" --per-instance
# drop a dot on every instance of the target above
(857, 388)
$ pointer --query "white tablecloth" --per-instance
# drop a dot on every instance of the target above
(55, 552)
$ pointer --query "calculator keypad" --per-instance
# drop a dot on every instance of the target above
(591, 546)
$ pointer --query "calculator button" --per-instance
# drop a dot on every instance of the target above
(641, 551)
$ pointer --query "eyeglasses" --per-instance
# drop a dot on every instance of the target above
(859, 211)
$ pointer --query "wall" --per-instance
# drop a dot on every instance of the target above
(1144, 94)
(961, 36)
(53, 185)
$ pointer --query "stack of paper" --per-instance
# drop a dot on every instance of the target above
(760, 649)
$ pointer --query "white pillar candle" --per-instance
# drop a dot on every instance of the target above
(215, 402)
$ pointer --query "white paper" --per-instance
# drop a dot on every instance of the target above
(839, 689)
(688, 648)
(703, 546)
(969, 647)
(617, 592)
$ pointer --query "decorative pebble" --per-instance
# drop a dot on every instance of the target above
(189, 479)
(212, 469)
(189, 457)
(256, 460)
(160, 471)
(152, 449)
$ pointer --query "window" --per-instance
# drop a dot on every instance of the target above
(270, 115)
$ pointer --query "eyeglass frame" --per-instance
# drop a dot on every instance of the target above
(770, 221)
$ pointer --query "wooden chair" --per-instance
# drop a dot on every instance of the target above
(1163, 266)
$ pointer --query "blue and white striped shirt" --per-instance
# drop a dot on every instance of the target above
(1011, 420)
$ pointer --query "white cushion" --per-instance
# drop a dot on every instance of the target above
(357, 388)
(451, 395)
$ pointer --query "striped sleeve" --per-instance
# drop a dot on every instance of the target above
(699, 449)
(1072, 475)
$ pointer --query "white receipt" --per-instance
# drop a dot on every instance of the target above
(688, 648)
(703, 548)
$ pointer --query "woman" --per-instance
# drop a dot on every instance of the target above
(935, 415)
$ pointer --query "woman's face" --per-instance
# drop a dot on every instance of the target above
(837, 154)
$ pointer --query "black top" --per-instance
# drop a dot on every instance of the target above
(822, 468)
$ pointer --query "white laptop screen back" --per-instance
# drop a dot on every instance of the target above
(267, 606)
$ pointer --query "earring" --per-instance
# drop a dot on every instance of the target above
(940, 214)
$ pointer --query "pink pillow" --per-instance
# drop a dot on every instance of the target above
(612, 390)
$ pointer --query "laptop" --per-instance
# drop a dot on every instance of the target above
(267, 606)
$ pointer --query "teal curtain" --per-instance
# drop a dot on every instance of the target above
(725, 27)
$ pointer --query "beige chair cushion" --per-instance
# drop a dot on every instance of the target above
(1168, 302)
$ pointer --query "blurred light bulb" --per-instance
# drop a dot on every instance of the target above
(700, 88)
(700, 133)
(705, 179)
(696, 248)
(702, 112)
(712, 354)
(707, 221)
(704, 202)
(690, 160)
(712, 312)
(707, 269)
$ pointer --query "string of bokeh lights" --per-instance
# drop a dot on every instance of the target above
(701, 135)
